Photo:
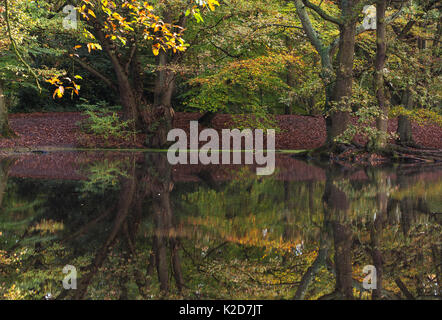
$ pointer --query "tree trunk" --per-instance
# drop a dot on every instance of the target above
(159, 187)
(129, 101)
(337, 121)
(291, 83)
(161, 113)
(130, 98)
(155, 120)
(436, 40)
(324, 246)
(123, 210)
(343, 239)
(165, 82)
(382, 120)
(5, 129)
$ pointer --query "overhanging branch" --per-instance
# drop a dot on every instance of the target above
(95, 72)
(324, 15)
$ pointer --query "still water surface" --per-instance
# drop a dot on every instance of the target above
(135, 227)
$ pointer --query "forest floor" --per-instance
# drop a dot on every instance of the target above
(61, 130)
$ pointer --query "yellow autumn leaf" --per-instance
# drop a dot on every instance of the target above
(58, 92)
(89, 11)
(156, 49)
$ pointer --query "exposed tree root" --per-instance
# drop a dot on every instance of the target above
(407, 154)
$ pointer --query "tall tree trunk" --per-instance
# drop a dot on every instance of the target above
(382, 120)
(338, 121)
(156, 119)
(343, 239)
(291, 82)
(130, 98)
(5, 129)
(161, 112)
(290, 79)
(123, 210)
(165, 82)
(437, 36)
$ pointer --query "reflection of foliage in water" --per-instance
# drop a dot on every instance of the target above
(247, 211)
(246, 239)
(32, 250)
(22, 232)
(223, 249)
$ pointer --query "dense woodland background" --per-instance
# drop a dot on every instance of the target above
(256, 58)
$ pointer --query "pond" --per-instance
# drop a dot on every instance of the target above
(128, 225)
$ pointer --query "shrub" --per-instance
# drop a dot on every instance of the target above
(104, 121)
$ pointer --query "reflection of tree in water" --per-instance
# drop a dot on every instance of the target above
(100, 222)
(146, 184)
(388, 212)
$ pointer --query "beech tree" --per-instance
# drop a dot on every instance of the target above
(126, 30)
